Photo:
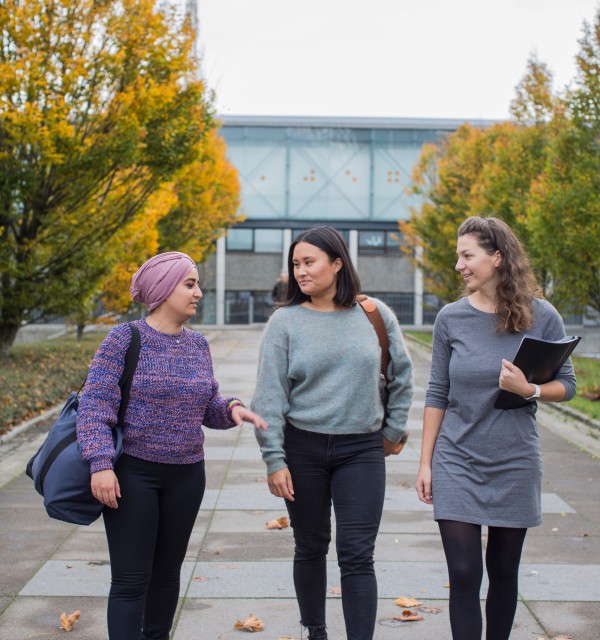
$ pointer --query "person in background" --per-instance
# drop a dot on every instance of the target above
(279, 292)
(153, 492)
(481, 465)
(317, 388)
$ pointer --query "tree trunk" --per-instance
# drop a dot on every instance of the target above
(80, 328)
(8, 333)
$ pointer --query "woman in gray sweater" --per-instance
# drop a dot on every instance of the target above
(481, 465)
(317, 390)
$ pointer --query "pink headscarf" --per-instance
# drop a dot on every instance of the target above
(153, 282)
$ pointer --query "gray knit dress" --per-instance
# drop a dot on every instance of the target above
(486, 466)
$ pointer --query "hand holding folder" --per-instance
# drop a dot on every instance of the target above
(540, 361)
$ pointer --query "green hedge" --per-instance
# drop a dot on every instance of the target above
(39, 375)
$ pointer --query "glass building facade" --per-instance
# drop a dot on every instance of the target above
(300, 172)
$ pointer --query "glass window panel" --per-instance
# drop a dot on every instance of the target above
(262, 175)
(393, 241)
(371, 241)
(238, 307)
(344, 233)
(268, 240)
(240, 240)
(330, 181)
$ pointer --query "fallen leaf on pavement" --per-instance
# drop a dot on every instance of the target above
(407, 602)
(336, 591)
(67, 621)
(424, 609)
(200, 578)
(408, 616)
(279, 523)
(447, 585)
(251, 623)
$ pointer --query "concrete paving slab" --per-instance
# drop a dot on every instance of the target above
(215, 619)
(39, 618)
(563, 550)
(409, 454)
(403, 472)
(551, 503)
(264, 546)
(571, 523)
(274, 579)
(31, 519)
(406, 547)
(408, 522)
(557, 583)
(80, 577)
(245, 522)
(578, 620)
(15, 575)
(29, 545)
(83, 545)
(242, 498)
(230, 453)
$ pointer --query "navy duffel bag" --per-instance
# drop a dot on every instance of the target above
(57, 469)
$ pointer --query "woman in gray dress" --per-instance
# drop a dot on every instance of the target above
(481, 465)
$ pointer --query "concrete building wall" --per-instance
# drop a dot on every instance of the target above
(386, 273)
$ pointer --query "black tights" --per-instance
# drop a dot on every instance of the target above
(462, 546)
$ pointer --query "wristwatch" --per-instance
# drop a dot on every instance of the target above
(535, 394)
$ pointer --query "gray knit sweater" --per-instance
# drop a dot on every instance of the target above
(320, 371)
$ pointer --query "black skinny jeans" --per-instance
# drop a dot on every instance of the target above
(148, 537)
(348, 471)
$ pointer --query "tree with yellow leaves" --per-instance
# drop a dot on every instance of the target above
(187, 214)
(99, 107)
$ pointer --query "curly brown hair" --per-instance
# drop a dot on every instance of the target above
(517, 285)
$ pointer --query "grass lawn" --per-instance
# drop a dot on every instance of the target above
(39, 375)
(421, 336)
(587, 371)
(587, 399)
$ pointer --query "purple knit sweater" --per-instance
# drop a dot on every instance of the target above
(173, 393)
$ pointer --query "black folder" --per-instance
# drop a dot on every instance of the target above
(540, 361)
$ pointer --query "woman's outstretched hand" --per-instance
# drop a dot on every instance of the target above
(241, 414)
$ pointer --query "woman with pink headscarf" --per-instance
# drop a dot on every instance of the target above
(154, 490)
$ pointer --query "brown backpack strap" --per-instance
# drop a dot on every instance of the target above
(376, 319)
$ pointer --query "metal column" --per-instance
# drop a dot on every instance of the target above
(220, 281)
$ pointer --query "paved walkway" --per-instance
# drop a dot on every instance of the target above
(235, 567)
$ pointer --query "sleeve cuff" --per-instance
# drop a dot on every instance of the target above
(276, 465)
(100, 464)
(394, 435)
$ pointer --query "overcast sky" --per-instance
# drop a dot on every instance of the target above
(396, 58)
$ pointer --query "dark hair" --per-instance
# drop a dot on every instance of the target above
(332, 243)
(517, 286)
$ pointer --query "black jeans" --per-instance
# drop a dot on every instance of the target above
(348, 470)
(148, 537)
